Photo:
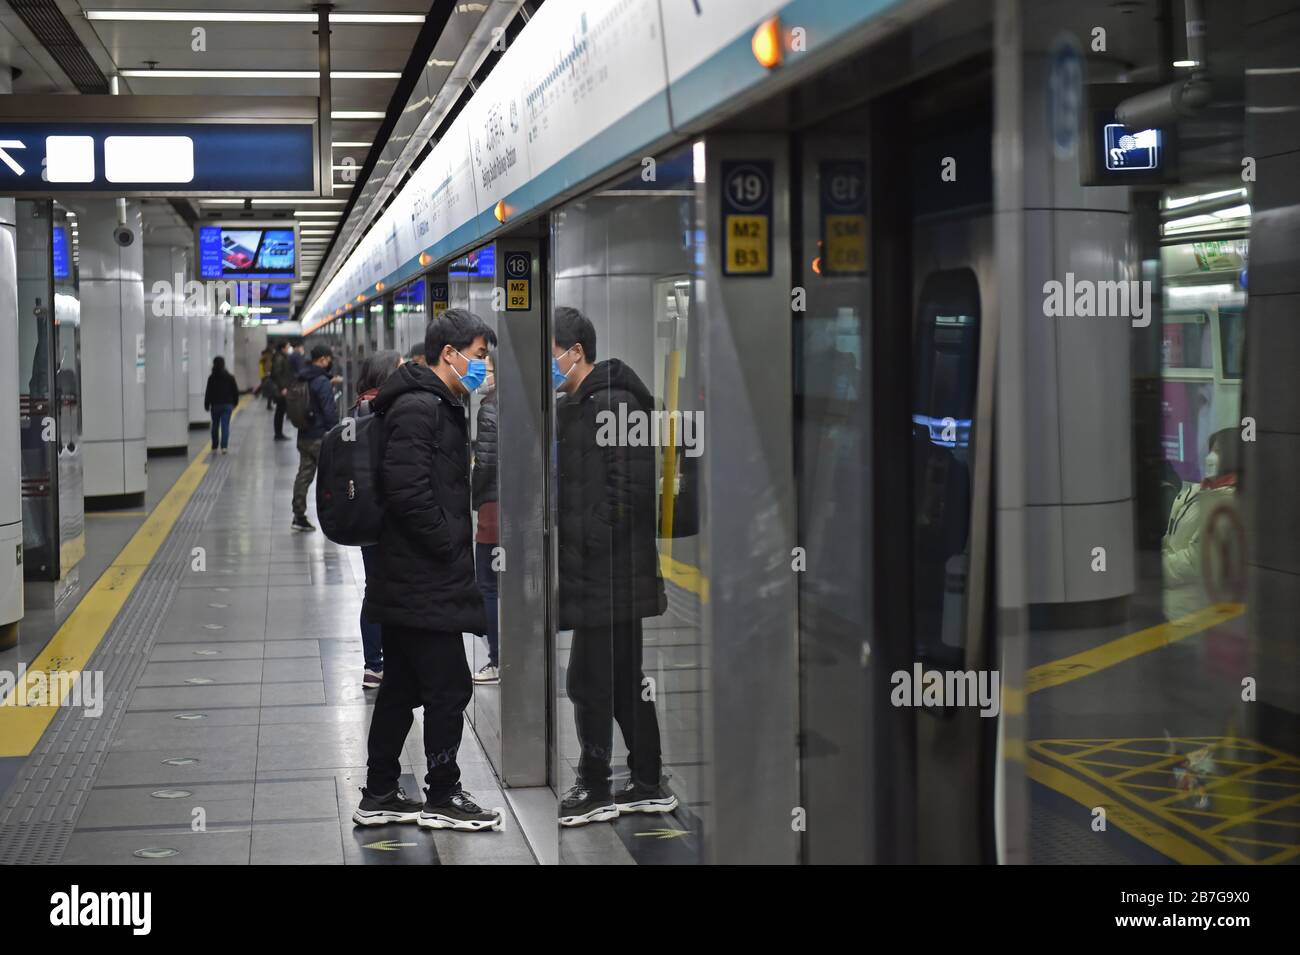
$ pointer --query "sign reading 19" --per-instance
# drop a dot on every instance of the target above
(747, 189)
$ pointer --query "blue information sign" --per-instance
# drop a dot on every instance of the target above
(155, 158)
(61, 253)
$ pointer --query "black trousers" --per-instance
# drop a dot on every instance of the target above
(280, 409)
(421, 668)
(605, 684)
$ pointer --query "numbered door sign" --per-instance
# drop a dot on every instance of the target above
(747, 217)
(844, 217)
(438, 295)
(519, 273)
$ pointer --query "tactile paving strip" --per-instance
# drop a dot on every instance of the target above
(41, 808)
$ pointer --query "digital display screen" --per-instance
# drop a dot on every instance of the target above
(231, 251)
(1112, 154)
(481, 262)
(61, 257)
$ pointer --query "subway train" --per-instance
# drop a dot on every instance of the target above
(962, 335)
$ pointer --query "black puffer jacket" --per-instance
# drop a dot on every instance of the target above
(609, 557)
(485, 452)
(426, 556)
(221, 390)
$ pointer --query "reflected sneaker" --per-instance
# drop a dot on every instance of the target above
(487, 674)
(371, 679)
(581, 805)
(638, 797)
(459, 811)
(302, 524)
(383, 810)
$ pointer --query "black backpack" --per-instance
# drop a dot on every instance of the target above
(298, 404)
(349, 499)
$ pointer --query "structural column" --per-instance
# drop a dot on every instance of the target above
(1074, 381)
(199, 323)
(167, 419)
(113, 346)
(1270, 505)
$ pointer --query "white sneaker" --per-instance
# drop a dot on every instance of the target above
(488, 674)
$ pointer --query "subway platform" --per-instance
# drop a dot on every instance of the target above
(233, 726)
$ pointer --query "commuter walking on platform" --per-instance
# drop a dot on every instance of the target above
(220, 398)
(375, 370)
(424, 594)
(282, 376)
(609, 574)
(314, 412)
(487, 534)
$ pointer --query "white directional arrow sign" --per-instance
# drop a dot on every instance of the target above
(9, 160)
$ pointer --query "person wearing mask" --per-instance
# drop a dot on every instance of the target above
(487, 534)
(282, 376)
(1183, 544)
(322, 414)
(424, 594)
(375, 370)
(609, 575)
(220, 398)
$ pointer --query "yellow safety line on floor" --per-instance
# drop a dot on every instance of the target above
(77, 639)
(1127, 647)
(1136, 825)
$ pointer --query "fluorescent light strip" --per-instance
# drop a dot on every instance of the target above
(351, 145)
(356, 114)
(241, 16)
(318, 212)
(297, 202)
(258, 74)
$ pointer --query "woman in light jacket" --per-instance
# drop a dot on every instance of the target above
(1183, 546)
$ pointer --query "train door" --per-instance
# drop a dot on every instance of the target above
(892, 270)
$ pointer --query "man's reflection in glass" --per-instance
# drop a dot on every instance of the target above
(608, 571)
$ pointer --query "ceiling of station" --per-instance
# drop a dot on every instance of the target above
(235, 48)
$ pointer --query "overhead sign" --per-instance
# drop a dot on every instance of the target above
(746, 197)
(157, 145)
(152, 158)
(1112, 154)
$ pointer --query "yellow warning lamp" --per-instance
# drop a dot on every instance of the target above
(501, 211)
(767, 44)
(425, 259)
(379, 286)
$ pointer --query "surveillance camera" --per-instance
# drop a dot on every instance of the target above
(123, 236)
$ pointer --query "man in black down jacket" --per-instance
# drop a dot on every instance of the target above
(425, 595)
(609, 574)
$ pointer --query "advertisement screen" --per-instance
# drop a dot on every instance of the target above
(247, 252)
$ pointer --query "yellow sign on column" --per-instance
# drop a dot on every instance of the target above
(846, 244)
(517, 294)
(746, 249)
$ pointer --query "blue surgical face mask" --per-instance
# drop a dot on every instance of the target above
(475, 372)
(558, 378)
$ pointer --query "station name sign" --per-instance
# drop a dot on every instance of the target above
(145, 151)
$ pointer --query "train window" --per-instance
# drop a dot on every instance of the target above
(1187, 341)
(1232, 339)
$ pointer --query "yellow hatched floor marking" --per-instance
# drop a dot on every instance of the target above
(1136, 825)
(1217, 835)
(77, 639)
